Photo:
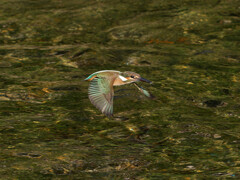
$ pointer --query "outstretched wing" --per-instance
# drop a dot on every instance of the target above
(100, 93)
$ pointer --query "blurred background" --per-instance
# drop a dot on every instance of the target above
(188, 48)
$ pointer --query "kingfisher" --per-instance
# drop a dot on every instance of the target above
(101, 93)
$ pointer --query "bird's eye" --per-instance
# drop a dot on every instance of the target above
(132, 76)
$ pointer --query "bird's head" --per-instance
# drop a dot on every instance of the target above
(133, 77)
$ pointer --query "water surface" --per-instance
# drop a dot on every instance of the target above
(189, 49)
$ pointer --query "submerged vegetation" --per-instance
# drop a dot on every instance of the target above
(189, 49)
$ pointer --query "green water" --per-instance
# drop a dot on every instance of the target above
(188, 48)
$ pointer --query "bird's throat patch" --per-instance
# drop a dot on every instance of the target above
(123, 78)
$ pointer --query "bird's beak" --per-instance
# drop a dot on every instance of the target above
(145, 80)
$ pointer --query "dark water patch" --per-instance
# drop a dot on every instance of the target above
(61, 52)
(65, 88)
(213, 103)
(204, 52)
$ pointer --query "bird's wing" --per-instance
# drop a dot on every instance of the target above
(100, 93)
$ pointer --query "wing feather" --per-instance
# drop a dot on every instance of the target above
(100, 93)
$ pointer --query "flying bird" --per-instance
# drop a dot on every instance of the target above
(101, 93)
